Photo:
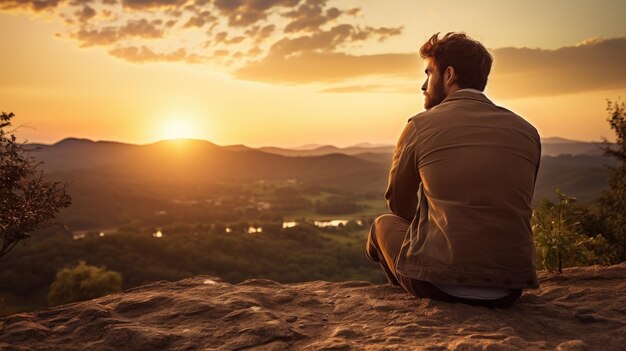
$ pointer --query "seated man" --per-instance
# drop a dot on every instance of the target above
(460, 188)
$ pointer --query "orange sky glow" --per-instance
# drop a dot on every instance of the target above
(293, 72)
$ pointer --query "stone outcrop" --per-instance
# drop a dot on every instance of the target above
(582, 309)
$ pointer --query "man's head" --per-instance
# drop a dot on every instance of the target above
(452, 63)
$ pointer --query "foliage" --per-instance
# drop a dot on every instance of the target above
(290, 255)
(559, 238)
(336, 205)
(612, 202)
(27, 201)
(83, 282)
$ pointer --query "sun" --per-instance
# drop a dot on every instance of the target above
(177, 129)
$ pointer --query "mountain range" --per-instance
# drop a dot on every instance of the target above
(577, 168)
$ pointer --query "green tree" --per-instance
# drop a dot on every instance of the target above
(27, 201)
(83, 282)
(612, 202)
(559, 238)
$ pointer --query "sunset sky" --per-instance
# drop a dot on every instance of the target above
(293, 72)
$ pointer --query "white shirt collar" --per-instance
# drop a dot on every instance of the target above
(471, 90)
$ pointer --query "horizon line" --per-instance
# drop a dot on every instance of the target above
(309, 144)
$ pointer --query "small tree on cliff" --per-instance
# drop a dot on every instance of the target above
(612, 202)
(83, 282)
(559, 238)
(27, 201)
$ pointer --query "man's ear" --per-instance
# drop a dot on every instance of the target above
(449, 75)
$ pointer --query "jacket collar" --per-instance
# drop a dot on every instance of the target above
(465, 94)
(460, 95)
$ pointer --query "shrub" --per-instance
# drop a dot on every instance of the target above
(559, 239)
(83, 282)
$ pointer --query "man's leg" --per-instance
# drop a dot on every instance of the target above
(384, 241)
(383, 245)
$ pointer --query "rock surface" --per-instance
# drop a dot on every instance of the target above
(582, 309)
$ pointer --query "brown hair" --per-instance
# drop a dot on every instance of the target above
(469, 58)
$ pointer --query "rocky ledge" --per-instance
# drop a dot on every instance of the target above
(581, 309)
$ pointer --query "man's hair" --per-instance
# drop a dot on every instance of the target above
(469, 58)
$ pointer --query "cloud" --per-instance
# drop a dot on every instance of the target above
(310, 16)
(200, 19)
(85, 14)
(309, 42)
(374, 88)
(259, 34)
(147, 4)
(242, 13)
(328, 41)
(108, 35)
(34, 5)
(245, 29)
(591, 65)
(144, 54)
(517, 72)
(311, 67)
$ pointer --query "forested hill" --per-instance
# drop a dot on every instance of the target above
(580, 172)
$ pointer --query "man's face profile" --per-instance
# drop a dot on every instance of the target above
(434, 92)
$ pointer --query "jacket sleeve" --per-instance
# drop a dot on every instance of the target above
(401, 193)
(539, 146)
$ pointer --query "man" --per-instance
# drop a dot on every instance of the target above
(460, 188)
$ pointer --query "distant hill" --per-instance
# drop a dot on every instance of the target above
(557, 140)
(581, 174)
(552, 146)
(327, 149)
(197, 161)
(370, 145)
(559, 146)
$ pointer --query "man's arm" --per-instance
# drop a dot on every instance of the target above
(401, 194)
(538, 139)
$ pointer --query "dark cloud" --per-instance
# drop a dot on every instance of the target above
(353, 11)
(147, 4)
(34, 5)
(310, 16)
(108, 35)
(309, 67)
(591, 65)
(200, 19)
(374, 88)
(323, 41)
(85, 13)
(517, 72)
(144, 54)
(242, 13)
(384, 32)
(259, 34)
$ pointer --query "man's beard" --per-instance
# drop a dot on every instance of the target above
(436, 97)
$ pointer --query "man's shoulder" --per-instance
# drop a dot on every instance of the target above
(423, 114)
(450, 110)
(521, 121)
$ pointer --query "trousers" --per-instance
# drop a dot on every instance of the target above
(383, 246)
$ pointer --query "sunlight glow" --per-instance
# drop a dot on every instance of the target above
(177, 128)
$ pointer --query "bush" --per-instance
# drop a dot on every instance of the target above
(559, 238)
(612, 202)
(83, 282)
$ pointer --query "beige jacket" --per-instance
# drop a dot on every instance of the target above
(463, 174)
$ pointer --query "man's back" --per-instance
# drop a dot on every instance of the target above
(466, 171)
